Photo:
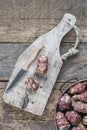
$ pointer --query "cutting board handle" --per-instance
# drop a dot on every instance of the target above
(73, 50)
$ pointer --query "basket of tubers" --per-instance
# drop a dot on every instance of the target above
(71, 107)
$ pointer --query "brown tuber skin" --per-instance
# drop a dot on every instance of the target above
(79, 106)
(78, 88)
(84, 120)
(81, 97)
(61, 121)
(73, 117)
(78, 101)
(77, 128)
(64, 102)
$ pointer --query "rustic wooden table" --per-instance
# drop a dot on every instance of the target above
(21, 22)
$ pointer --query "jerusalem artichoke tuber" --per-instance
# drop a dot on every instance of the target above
(81, 97)
(61, 121)
(84, 120)
(78, 88)
(79, 106)
(64, 102)
(73, 117)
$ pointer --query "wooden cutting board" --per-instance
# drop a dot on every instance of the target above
(35, 102)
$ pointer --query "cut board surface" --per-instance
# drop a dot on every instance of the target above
(35, 102)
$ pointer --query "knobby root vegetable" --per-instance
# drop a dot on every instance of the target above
(81, 97)
(73, 117)
(78, 88)
(61, 121)
(79, 106)
(64, 102)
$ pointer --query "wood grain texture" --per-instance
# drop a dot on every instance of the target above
(12, 113)
(27, 125)
(19, 9)
(25, 20)
(73, 67)
(36, 101)
(18, 95)
(8, 56)
(29, 30)
(12, 118)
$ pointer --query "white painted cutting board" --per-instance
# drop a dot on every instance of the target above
(35, 102)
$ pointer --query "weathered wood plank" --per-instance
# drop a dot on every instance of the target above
(24, 21)
(11, 113)
(42, 9)
(73, 67)
(27, 125)
(36, 101)
(8, 56)
(28, 30)
(14, 119)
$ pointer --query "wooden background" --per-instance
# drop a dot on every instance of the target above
(21, 22)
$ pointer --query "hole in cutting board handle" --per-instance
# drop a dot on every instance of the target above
(69, 20)
(32, 102)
